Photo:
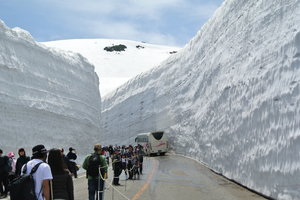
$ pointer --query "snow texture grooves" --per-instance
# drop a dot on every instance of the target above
(230, 98)
(46, 96)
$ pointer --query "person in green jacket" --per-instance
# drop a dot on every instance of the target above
(96, 171)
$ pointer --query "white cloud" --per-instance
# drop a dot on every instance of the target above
(126, 30)
(132, 19)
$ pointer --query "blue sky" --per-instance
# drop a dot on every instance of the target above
(167, 22)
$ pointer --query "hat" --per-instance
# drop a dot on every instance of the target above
(21, 149)
(39, 150)
(71, 149)
(11, 154)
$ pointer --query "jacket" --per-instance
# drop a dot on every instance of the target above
(62, 186)
(20, 162)
(103, 164)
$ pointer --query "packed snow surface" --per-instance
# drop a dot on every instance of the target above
(230, 98)
(117, 67)
(47, 96)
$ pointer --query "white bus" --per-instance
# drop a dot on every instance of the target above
(153, 142)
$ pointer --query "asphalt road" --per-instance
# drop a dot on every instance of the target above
(170, 178)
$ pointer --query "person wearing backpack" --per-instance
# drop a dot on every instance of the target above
(4, 169)
(43, 174)
(23, 159)
(94, 163)
(62, 183)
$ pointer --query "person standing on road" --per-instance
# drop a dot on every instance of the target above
(66, 162)
(140, 154)
(72, 163)
(12, 166)
(23, 159)
(117, 166)
(62, 183)
(107, 155)
(4, 169)
(93, 164)
(129, 156)
(43, 174)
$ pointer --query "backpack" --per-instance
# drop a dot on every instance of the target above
(94, 164)
(22, 187)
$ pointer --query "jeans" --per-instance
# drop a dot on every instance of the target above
(93, 189)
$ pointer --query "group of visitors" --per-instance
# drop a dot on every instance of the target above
(52, 170)
(52, 179)
(10, 168)
(126, 158)
(58, 166)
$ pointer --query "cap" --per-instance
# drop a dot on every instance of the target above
(39, 149)
(11, 154)
(21, 149)
(71, 149)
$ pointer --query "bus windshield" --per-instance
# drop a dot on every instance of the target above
(158, 135)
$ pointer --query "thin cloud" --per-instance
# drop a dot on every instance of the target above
(169, 22)
(124, 30)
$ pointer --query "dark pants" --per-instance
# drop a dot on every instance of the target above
(130, 170)
(4, 183)
(117, 173)
(73, 168)
(141, 167)
(93, 188)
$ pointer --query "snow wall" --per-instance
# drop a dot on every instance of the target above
(230, 98)
(46, 96)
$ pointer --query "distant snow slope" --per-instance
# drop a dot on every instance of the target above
(115, 68)
(230, 98)
(46, 96)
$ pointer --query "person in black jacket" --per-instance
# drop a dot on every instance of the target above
(117, 166)
(140, 154)
(23, 159)
(62, 183)
(72, 163)
(4, 169)
(66, 161)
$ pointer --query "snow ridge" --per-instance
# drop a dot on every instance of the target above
(46, 96)
(115, 68)
(230, 98)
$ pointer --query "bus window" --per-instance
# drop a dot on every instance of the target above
(141, 139)
(157, 135)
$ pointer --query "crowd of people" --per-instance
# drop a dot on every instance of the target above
(125, 158)
(58, 168)
(52, 170)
